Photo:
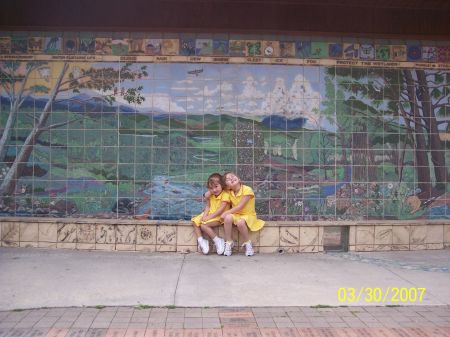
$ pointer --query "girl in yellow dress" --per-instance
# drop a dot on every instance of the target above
(242, 213)
(217, 201)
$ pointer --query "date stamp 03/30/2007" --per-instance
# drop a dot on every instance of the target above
(381, 295)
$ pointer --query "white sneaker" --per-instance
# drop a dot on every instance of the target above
(204, 246)
(228, 250)
(248, 248)
(220, 245)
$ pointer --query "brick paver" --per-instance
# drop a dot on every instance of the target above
(413, 321)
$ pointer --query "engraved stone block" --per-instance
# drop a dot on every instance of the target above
(28, 244)
(365, 235)
(166, 235)
(186, 236)
(270, 237)
(418, 235)
(85, 246)
(382, 247)
(435, 246)
(383, 235)
(44, 244)
(105, 234)
(146, 248)
(48, 232)
(400, 247)
(129, 247)
(146, 234)
(86, 233)
(126, 234)
(290, 250)
(66, 245)
(268, 250)
(67, 232)
(309, 249)
(10, 234)
(29, 232)
(166, 248)
(255, 237)
(187, 249)
(400, 235)
(105, 246)
(289, 236)
(435, 234)
(364, 248)
(309, 236)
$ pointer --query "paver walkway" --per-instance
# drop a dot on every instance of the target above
(140, 321)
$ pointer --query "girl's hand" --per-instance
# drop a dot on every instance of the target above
(206, 218)
(224, 214)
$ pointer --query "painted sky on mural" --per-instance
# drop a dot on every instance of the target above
(245, 90)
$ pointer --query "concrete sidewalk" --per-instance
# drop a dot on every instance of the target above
(36, 278)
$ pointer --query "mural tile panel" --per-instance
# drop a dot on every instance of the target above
(315, 142)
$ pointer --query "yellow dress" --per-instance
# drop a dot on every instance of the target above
(214, 205)
(247, 213)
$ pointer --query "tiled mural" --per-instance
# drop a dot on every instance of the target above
(122, 136)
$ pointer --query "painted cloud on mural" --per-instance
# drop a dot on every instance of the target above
(253, 94)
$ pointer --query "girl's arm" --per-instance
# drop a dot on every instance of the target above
(219, 211)
(238, 207)
(206, 210)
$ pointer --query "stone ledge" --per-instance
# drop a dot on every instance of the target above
(178, 236)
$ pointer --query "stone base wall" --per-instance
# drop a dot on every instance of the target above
(178, 236)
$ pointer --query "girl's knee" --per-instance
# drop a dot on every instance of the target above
(228, 218)
(241, 223)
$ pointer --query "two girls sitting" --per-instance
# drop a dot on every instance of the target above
(229, 202)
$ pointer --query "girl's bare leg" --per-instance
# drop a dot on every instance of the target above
(243, 229)
(197, 230)
(227, 227)
(207, 228)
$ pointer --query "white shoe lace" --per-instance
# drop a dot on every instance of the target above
(220, 246)
(204, 246)
(248, 249)
(228, 249)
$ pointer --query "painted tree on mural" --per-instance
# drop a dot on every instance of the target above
(407, 105)
(15, 85)
(422, 99)
(68, 80)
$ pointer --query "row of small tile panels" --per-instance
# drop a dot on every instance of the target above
(306, 210)
(223, 47)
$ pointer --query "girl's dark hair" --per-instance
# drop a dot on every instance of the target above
(214, 178)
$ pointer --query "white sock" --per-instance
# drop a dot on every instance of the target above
(216, 238)
(200, 239)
